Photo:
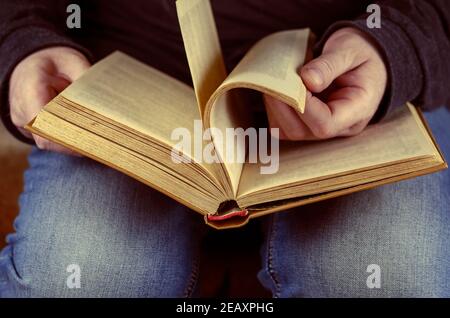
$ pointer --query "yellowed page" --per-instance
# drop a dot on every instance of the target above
(135, 95)
(150, 171)
(399, 137)
(230, 112)
(142, 98)
(272, 66)
(202, 47)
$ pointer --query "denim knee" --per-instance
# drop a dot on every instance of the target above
(86, 230)
(330, 249)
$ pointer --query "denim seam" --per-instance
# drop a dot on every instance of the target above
(8, 262)
(192, 280)
(270, 259)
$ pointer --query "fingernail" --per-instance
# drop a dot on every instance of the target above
(314, 75)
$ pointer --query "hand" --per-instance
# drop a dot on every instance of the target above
(39, 78)
(344, 85)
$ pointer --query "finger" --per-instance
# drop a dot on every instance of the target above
(35, 101)
(346, 107)
(286, 119)
(273, 120)
(291, 125)
(318, 117)
(37, 98)
(349, 106)
(29, 98)
(34, 97)
(319, 73)
(45, 144)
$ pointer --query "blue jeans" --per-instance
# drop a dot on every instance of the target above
(87, 230)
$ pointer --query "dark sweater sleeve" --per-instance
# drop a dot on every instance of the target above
(27, 26)
(414, 42)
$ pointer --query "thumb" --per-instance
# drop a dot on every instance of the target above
(72, 66)
(319, 73)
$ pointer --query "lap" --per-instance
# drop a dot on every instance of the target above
(127, 239)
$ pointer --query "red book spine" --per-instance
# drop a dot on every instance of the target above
(240, 213)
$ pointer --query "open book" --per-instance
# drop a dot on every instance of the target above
(130, 116)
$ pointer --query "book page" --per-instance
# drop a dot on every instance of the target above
(399, 137)
(272, 65)
(146, 100)
(152, 171)
(202, 47)
(136, 95)
(230, 114)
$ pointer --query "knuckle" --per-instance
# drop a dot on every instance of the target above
(324, 130)
(325, 66)
(344, 38)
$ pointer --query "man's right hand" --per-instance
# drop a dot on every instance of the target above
(39, 78)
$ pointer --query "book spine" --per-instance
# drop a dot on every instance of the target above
(222, 217)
